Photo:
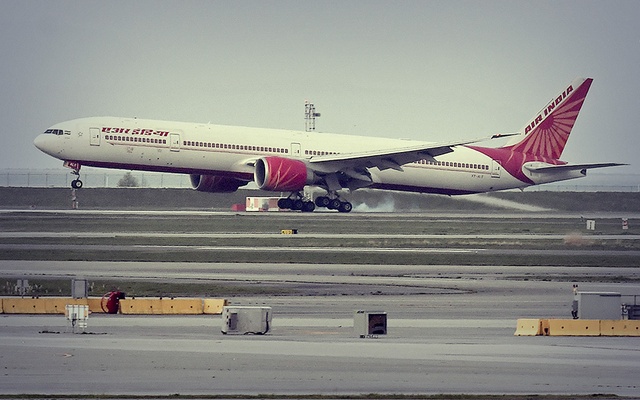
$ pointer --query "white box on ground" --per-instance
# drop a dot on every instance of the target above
(77, 315)
(242, 320)
(370, 323)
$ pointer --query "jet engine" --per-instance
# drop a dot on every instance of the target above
(282, 174)
(215, 183)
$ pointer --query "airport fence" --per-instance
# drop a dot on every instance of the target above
(92, 179)
(97, 178)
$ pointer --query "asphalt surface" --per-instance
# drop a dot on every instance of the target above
(450, 330)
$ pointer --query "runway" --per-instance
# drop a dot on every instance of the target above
(160, 356)
(450, 331)
(450, 327)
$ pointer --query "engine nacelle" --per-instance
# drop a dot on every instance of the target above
(282, 174)
(215, 183)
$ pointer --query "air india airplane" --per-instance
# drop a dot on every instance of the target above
(223, 158)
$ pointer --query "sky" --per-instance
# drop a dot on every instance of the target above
(424, 70)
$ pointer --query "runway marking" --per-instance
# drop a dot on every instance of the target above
(275, 249)
(113, 235)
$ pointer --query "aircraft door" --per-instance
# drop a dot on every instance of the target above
(174, 142)
(95, 136)
(295, 149)
(495, 168)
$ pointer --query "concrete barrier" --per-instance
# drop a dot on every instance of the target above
(528, 327)
(574, 327)
(577, 327)
(95, 305)
(140, 306)
(18, 305)
(544, 327)
(181, 306)
(619, 327)
(214, 306)
(58, 305)
(167, 306)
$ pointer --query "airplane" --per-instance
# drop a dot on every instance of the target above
(222, 158)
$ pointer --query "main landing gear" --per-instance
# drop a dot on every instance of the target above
(334, 204)
(296, 201)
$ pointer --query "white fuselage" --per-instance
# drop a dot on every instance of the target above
(230, 151)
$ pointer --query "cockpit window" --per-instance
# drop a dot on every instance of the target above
(58, 132)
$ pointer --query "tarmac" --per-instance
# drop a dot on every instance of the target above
(450, 330)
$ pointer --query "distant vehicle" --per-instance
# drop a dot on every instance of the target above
(223, 158)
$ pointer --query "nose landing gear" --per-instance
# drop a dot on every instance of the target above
(75, 166)
(76, 183)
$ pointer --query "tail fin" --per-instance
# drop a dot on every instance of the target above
(548, 132)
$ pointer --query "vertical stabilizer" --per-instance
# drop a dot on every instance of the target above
(547, 133)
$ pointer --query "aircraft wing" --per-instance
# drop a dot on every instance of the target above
(568, 167)
(389, 158)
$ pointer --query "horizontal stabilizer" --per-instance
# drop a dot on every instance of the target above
(538, 167)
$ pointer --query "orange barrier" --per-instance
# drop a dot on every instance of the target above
(141, 306)
(544, 327)
(577, 327)
(95, 305)
(574, 327)
(528, 327)
(147, 306)
(58, 305)
(622, 327)
(181, 306)
(214, 306)
(18, 305)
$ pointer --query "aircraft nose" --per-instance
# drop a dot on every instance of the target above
(39, 142)
(44, 143)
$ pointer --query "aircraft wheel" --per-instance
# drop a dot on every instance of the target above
(345, 207)
(308, 206)
(297, 205)
(322, 201)
(285, 203)
(334, 204)
(76, 184)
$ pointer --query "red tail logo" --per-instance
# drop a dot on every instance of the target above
(549, 131)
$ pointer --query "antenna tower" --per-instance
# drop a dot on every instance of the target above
(310, 116)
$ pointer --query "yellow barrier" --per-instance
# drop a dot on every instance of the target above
(95, 305)
(528, 327)
(214, 306)
(140, 306)
(577, 327)
(18, 305)
(57, 305)
(544, 327)
(167, 306)
(181, 306)
(574, 327)
(619, 327)
(143, 306)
